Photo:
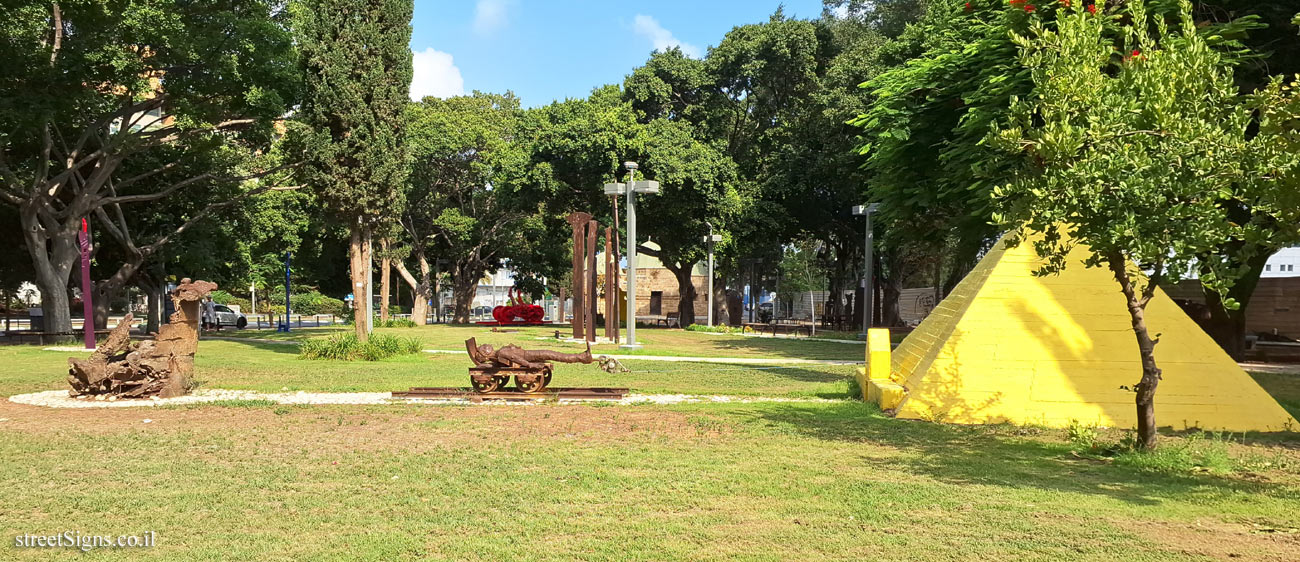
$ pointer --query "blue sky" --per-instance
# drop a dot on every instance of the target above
(544, 50)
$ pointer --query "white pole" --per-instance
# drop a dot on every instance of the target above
(253, 289)
(812, 309)
(631, 262)
(370, 289)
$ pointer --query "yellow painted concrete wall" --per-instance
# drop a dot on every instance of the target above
(1006, 346)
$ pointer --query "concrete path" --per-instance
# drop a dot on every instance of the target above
(1272, 368)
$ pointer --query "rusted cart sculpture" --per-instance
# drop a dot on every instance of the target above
(493, 367)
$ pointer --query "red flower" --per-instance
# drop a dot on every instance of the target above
(1092, 8)
(1065, 3)
(1136, 53)
(968, 6)
(1017, 2)
(1029, 8)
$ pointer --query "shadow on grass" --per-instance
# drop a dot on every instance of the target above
(995, 455)
(280, 348)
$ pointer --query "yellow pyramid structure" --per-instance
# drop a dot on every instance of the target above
(1006, 346)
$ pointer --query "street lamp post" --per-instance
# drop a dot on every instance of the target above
(868, 289)
(711, 240)
(631, 188)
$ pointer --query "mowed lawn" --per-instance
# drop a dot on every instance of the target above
(657, 341)
(758, 481)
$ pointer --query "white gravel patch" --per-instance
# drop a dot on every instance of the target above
(60, 399)
(68, 348)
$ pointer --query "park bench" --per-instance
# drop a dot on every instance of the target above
(669, 321)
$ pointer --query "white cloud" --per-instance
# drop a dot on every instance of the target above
(435, 74)
(490, 15)
(840, 12)
(661, 38)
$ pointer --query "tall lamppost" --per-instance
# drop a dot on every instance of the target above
(868, 289)
(631, 188)
(710, 241)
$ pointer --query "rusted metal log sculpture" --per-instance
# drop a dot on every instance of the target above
(531, 368)
(160, 367)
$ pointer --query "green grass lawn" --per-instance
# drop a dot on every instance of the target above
(761, 481)
(657, 341)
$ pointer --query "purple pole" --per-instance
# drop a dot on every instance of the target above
(87, 308)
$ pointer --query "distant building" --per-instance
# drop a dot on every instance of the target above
(657, 293)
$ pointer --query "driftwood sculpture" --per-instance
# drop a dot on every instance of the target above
(160, 367)
(531, 368)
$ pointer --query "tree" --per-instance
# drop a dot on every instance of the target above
(1139, 154)
(117, 84)
(468, 198)
(356, 61)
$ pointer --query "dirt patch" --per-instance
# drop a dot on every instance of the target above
(384, 428)
(1221, 541)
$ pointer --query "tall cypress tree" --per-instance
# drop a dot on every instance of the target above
(357, 64)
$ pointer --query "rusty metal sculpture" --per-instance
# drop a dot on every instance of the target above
(531, 368)
(160, 367)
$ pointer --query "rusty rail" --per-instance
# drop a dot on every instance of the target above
(558, 393)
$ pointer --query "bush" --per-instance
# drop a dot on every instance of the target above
(346, 347)
(396, 323)
(718, 329)
(307, 304)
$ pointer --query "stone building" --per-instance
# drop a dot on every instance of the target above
(657, 294)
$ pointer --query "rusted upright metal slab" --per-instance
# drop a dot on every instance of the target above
(592, 229)
(579, 222)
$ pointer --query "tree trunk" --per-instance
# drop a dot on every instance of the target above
(464, 283)
(1146, 387)
(718, 300)
(1228, 327)
(419, 290)
(359, 268)
(564, 295)
(890, 316)
(385, 265)
(686, 290)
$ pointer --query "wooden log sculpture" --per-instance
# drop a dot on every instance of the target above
(161, 367)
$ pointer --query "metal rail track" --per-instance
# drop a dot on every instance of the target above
(557, 393)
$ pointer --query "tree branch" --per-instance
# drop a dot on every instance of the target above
(201, 177)
(58, 32)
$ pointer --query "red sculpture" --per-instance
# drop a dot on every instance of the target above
(518, 311)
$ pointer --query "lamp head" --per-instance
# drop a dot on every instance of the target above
(630, 165)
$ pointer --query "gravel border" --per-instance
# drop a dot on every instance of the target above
(60, 399)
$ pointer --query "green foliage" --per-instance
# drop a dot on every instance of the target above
(396, 323)
(306, 303)
(346, 347)
(715, 329)
(1142, 154)
(356, 61)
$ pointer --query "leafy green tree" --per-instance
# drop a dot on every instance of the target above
(356, 61)
(156, 82)
(1139, 154)
(468, 198)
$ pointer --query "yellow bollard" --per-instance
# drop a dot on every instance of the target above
(878, 348)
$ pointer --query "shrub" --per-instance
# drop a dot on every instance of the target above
(718, 329)
(346, 347)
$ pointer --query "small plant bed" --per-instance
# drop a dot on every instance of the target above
(346, 347)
